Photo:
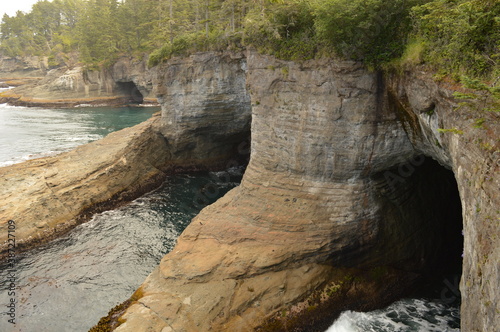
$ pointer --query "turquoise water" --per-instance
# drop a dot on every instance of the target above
(27, 133)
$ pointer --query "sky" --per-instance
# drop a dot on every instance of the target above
(10, 7)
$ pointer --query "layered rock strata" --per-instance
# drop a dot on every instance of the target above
(342, 174)
(47, 196)
(205, 105)
(20, 70)
(314, 198)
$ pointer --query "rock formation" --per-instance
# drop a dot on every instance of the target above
(22, 70)
(32, 66)
(350, 182)
(127, 81)
(47, 196)
(340, 175)
(205, 105)
(64, 190)
(474, 158)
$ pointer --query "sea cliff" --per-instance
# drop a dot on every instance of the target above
(341, 175)
(351, 196)
(48, 196)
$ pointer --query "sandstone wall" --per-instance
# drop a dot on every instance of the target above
(205, 105)
(328, 141)
(309, 202)
(50, 195)
(336, 179)
(127, 81)
(19, 67)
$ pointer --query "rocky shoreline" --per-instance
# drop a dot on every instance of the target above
(18, 100)
(49, 196)
(37, 85)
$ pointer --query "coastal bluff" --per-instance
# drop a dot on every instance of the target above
(50, 195)
(348, 170)
(351, 195)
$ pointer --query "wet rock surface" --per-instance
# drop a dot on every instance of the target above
(47, 196)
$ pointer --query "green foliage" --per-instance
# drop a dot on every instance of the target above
(285, 30)
(454, 36)
(190, 43)
(374, 31)
(450, 130)
(98, 33)
(480, 96)
(479, 123)
(461, 36)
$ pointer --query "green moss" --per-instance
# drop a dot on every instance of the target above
(450, 130)
(334, 288)
(113, 319)
(285, 71)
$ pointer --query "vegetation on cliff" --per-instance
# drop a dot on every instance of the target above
(453, 36)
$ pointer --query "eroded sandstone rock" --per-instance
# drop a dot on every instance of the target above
(338, 177)
(49, 195)
(474, 158)
(307, 203)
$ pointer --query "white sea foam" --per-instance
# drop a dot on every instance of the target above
(7, 106)
(412, 315)
(20, 159)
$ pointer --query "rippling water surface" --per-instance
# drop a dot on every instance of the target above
(68, 284)
(27, 133)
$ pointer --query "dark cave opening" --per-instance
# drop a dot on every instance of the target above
(421, 228)
(131, 92)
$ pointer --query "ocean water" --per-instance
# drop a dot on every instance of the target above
(73, 281)
(69, 283)
(28, 133)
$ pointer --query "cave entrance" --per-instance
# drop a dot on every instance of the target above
(131, 92)
(422, 226)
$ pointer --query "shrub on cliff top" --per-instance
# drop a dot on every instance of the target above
(374, 31)
(285, 29)
(460, 36)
